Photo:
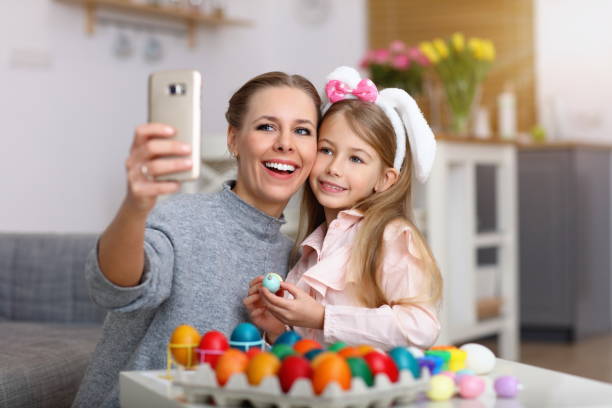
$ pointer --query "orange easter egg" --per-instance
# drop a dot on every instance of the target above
(364, 349)
(322, 357)
(262, 365)
(350, 352)
(183, 344)
(305, 345)
(332, 369)
(231, 362)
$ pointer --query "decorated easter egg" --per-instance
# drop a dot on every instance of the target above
(305, 345)
(506, 386)
(282, 350)
(479, 358)
(441, 388)
(212, 345)
(289, 337)
(470, 386)
(445, 355)
(262, 365)
(332, 369)
(272, 282)
(359, 368)
(349, 351)
(253, 351)
(313, 353)
(382, 363)
(183, 344)
(337, 346)
(292, 368)
(231, 362)
(364, 349)
(404, 360)
(245, 336)
(322, 357)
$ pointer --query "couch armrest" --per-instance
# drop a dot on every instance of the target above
(42, 278)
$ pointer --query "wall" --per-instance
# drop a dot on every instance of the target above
(573, 65)
(69, 106)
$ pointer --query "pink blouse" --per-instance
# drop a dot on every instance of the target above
(321, 272)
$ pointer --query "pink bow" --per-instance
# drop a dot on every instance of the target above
(365, 90)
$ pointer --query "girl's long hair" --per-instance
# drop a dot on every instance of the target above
(370, 123)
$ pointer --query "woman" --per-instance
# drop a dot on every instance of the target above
(189, 260)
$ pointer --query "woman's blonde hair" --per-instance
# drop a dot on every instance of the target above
(370, 123)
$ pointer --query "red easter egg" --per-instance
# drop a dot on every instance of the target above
(253, 351)
(231, 362)
(292, 368)
(382, 363)
(212, 345)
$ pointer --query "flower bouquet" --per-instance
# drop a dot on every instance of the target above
(461, 67)
(398, 66)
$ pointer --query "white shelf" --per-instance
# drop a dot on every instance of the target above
(490, 239)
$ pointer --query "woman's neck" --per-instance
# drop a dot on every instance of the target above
(274, 209)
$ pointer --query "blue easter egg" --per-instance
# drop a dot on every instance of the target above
(244, 336)
(272, 282)
(404, 360)
(313, 353)
(289, 338)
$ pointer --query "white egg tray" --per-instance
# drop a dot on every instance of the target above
(200, 387)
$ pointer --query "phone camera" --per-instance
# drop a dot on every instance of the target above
(177, 89)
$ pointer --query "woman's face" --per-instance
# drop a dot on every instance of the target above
(276, 147)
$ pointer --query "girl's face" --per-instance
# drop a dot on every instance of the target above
(347, 169)
(276, 147)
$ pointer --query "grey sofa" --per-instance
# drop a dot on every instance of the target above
(48, 325)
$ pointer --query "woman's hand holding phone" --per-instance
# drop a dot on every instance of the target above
(154, 153)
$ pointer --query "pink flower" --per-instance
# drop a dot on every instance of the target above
(397, 47)
(417, 55)
(380, 56)
(400, 61)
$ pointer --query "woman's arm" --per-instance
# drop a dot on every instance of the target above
(121, 246)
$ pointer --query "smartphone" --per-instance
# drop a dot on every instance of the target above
(175, 99)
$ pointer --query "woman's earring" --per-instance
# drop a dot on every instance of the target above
(234, 155)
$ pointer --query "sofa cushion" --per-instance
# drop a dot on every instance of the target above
(42, 365)
(42, 278)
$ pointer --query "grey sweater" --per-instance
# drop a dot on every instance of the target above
(201, 252)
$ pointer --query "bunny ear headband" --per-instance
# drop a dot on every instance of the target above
(400, 108)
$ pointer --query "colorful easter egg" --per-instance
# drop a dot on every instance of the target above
(322, 357)
(337, 346)
(262, 365)
(404, 360)
(245, 336)
(382, 363)
(253, 351)
(305, 345)
(332, 369)
(282, 350)
(183, 344)
(365, 349)
(441, 388)
(289, 337)
(231, 362)
(479, 358)
(470, 386)
(212, 345)
(272, 282)
(313, 353)
(507, 386)
(292, 368)
(349, 351)
(359, 368)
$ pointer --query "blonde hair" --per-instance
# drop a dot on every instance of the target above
(370, 123)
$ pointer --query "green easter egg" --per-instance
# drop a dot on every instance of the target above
(359, 368)
(337, 346)
(282, 350)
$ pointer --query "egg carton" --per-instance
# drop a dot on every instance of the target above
(200, 387)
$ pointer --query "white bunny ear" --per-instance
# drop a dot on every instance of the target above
(348, 75)
(420, 136)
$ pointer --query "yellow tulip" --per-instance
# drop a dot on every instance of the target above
(489, 50)
(476, 45)
(458, 41)
(429, 51)
(441, 47)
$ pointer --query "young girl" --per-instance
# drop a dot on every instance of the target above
(365, 274)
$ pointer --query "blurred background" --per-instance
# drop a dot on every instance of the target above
(518, 207)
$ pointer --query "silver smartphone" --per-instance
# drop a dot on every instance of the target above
(175, 99)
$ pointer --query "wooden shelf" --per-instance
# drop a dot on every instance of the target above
(191, 18)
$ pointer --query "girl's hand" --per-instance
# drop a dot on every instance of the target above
(258, 313)
(302, 311)
(148, 158)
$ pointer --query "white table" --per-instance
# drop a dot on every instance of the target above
(541, 388)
